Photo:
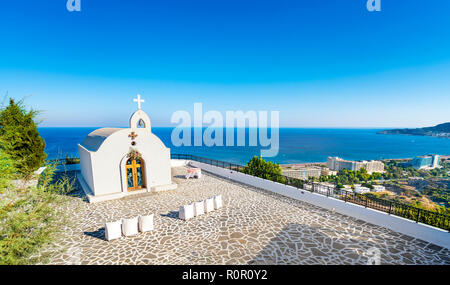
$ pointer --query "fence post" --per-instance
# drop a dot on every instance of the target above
(418, 214)
(367, 200)
(345, 199)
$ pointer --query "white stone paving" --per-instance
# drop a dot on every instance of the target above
(253, 227)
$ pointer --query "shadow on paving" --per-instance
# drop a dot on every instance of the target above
(302, 244)
(171, 214)
(100, 233)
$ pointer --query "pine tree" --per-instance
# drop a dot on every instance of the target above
(23, 143)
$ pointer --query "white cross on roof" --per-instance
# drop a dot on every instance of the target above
(139, 101)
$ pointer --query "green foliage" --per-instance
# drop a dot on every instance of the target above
(395, 170)
(368, 185)
(437, 192)
(6, 171)
(72, 160)
(350, 177)
(264, 169)
(24, 145)
(31, 218)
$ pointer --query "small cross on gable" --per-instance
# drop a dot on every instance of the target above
(139, 101)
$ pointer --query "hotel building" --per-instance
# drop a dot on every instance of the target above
(338, 164)
(426, 162)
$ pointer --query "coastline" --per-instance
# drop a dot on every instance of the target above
(309, 164)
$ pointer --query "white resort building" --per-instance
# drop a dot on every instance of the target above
(361, 189)
(378, 188)
(303, 173)
(338, 164)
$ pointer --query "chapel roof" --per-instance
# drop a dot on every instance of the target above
(95, 139)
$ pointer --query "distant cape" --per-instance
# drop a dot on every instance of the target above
(441, 130)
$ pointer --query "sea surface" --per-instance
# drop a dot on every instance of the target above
(297, 145)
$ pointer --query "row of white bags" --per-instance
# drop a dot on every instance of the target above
(128, 227)
(199, 208)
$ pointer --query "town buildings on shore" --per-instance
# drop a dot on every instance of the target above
(338, 164)
(328, 188)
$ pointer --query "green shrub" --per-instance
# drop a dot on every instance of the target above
(24, 144)
(264, 169)
(6, 171)
(31, 218)
(71, 160)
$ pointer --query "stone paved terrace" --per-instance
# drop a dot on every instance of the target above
(254, 227)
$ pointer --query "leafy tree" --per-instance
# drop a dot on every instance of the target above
(264, 169)
(368, 185)
(24, 144)
(363, 175)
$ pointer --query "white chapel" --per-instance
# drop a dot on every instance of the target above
(116, 162)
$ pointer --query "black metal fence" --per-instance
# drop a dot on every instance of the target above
(391, 207)
(209, 161)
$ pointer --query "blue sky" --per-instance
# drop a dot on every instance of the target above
(321, 63)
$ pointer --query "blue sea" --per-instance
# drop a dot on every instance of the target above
(297, 145)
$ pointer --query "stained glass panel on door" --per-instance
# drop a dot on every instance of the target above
(140, 181)
(130, 177)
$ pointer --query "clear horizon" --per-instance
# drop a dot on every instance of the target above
(321, 64)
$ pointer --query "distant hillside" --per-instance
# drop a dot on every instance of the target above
(441, 130)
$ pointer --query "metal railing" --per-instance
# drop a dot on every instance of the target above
(214, 162)
(391, 207)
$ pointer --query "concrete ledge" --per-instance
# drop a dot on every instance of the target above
(100, 198)
(167, 187)
(178, 162)
(135, 192)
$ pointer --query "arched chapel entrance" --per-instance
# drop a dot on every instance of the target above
(135, 174)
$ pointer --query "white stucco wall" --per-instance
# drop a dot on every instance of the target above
(86, 166)
(398, 224)
(178, 162)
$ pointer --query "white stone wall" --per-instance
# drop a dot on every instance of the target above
(395, 223)
(178, 162)
(86, 166)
